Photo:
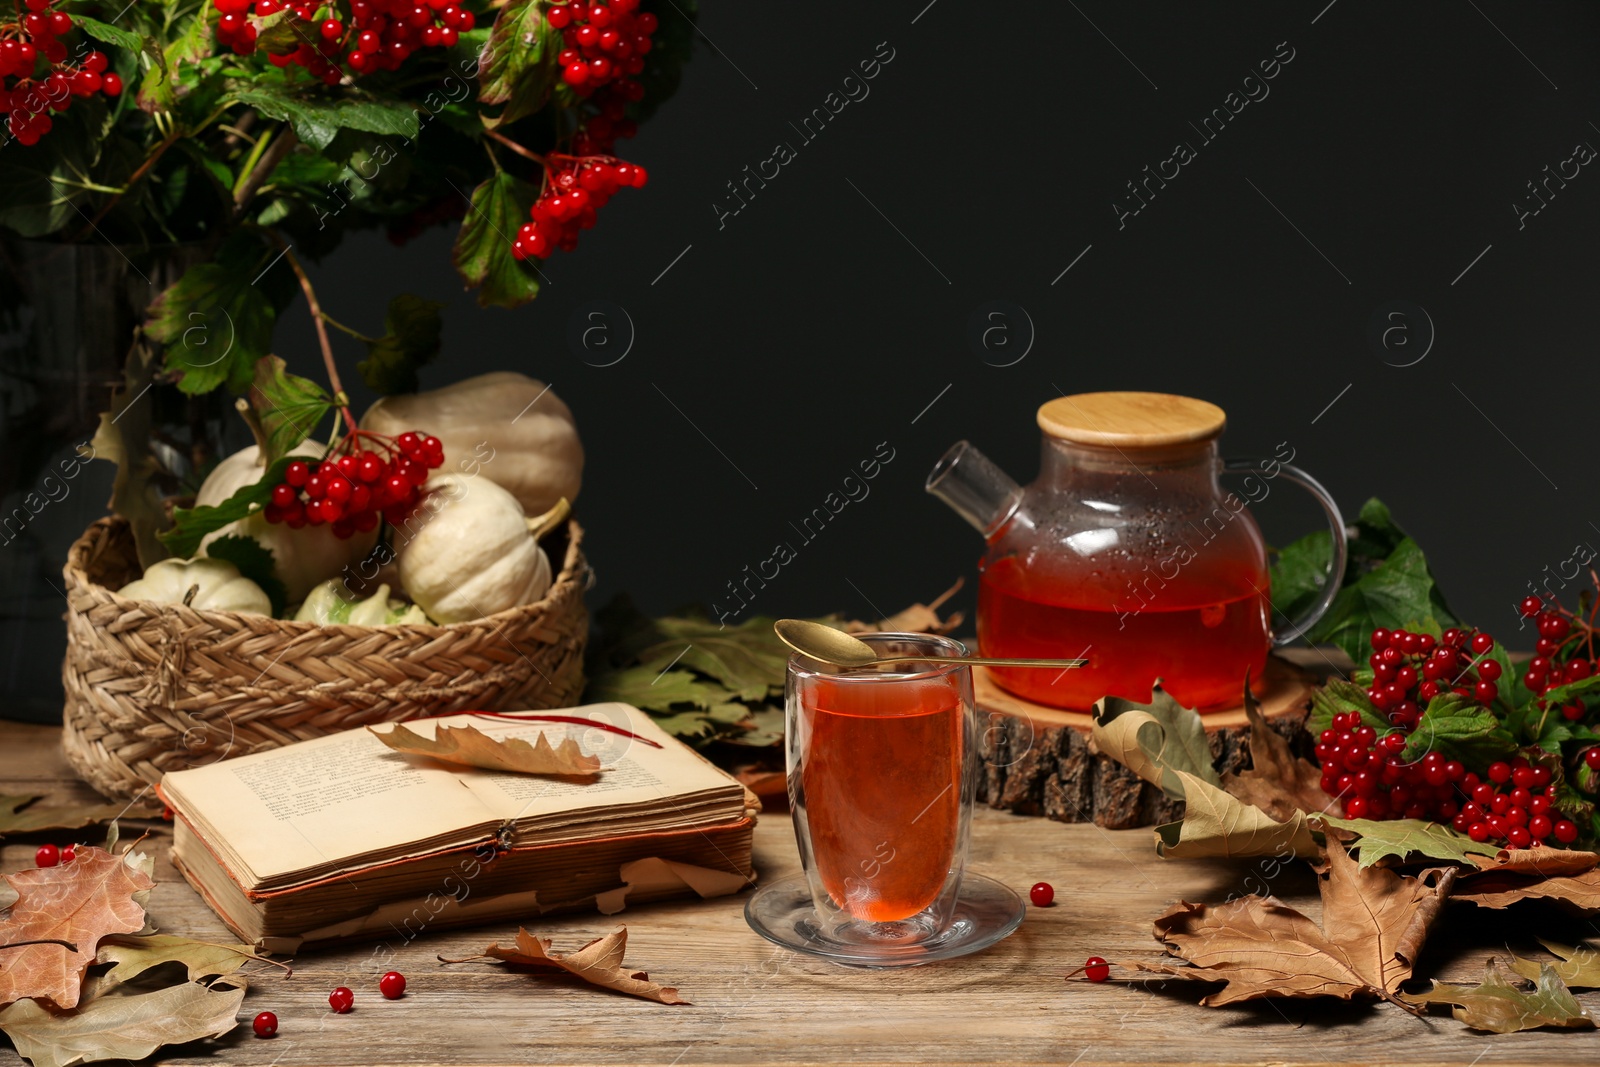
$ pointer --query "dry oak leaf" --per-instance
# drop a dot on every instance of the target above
(1373, 927)
(19, 816)
(1216, 823)
(117, 1023)
(1278, 782)
(599, 963)
(94, 896)
(1500, 1005)
(1579, 966)
(471, 747)
(1568, 878)
(135, 955)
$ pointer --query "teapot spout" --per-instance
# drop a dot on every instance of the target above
(979, 491)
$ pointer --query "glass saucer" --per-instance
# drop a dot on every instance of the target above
(986, 911)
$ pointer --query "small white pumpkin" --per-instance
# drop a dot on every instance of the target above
(468, 551)
(217, 585)
(331, 603)
(302, 558)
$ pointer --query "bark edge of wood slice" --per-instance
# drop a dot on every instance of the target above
(1037, 761)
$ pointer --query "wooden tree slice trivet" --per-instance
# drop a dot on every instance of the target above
(1037, 759)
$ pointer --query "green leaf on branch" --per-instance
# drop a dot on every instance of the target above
(39, 193)
(518, 66)
(1499, 1004)
(656, 690)
(104, 31)
(1459, 729)
(748, 659)
(191, 525)
(215, 321)
(482, 253)
(255, 562)
(1338, 697)
(411, 338)
(318, 118)
(1402, 838)
(284, 31)
(287, 406)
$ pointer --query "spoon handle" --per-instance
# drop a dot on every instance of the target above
(987, 661)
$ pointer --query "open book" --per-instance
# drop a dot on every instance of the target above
(334, 838)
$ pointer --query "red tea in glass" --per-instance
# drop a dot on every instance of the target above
(879, 778)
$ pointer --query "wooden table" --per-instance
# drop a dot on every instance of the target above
(756, 1003)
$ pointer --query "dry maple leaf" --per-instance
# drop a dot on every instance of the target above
(599, 963)
(1374, 923)
(471, 747)
(1568, 878)
(119, 1023)
(1278, 782)
(79, 902)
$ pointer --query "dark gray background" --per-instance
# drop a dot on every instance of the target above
(781, 348)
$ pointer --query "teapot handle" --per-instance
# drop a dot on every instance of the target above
(1260, 467)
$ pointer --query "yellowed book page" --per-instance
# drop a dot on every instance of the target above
(322, 802)
(636, 773)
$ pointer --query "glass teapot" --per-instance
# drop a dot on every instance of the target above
(1127, 551)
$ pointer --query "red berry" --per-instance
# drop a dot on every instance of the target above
(1489, 669)
(1482, 644)
(1518, 837)
(1531, 606)
(341, 1000)
(47, 856)
(339, 490)
(409, 442)
(332, 29)
(296, 474)
(283, 495)
(1486, 692)
(1042, 894)
(392, 985)
(69, 853)
(1478, 831)
(265, 1025)
(1539, 827)
(370, 468)
(576, 73)
(1096, 969)
(1499, 773)
(559, 17)
(1591, 756)
(1565, 831)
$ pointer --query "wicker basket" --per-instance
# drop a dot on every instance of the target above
(156, 688)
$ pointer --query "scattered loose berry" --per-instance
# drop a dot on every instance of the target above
(392, 985)
(265, 1024)
(1042, 894)
(1096, 969)
(47, 856)
(69, 853)
(341, 1000)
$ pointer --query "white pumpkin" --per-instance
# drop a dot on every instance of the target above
(331, 603)
(505, 425)
(303, 558)
(468, 551)
(216, 584)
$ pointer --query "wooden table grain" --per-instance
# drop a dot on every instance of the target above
(755, 1003)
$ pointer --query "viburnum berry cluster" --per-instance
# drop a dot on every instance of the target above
(575, 190)
(379, 34)
(26, 97)
(355, 484)
(1510, 804)
(1410, 669)
(1368, 775)
(606, 42)
(1555, 636)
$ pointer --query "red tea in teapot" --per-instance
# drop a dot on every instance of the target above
(1199, 632)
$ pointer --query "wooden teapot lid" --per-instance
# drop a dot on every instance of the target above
(1131, 420)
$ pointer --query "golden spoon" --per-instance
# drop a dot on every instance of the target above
(832, 645)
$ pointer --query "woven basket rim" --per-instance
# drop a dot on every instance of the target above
(574, 568)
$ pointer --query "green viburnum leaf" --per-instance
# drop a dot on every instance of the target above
(104, 31)
(1498, 1004)
(255, 562)
(702, 725)
(287, 406)
(1337, 697)
(411, 338)
(1160, 741)
(191, 525)
(192, 43)
(482, 253)
(215, 321)
(317, 118)
(35, 197)
(1459, 729)
(656, 690)
(1408, 837)
(748, 659)
(518, 65)
(284, 31)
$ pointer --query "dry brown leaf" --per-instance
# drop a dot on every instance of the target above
(1579, 966)
(599, 963)
(120, 1023)
(135, 955)
(1500, 1006)
(92, 897)
(1219, 824)
(917, 619)
(1154, 740)
(19, 815)
(471, 747)
(1374, 924)
(1570, 879)
(1278, 782)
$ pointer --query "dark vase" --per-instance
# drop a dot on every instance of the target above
(68, 317)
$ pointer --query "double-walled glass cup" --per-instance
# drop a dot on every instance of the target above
(881, 781)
